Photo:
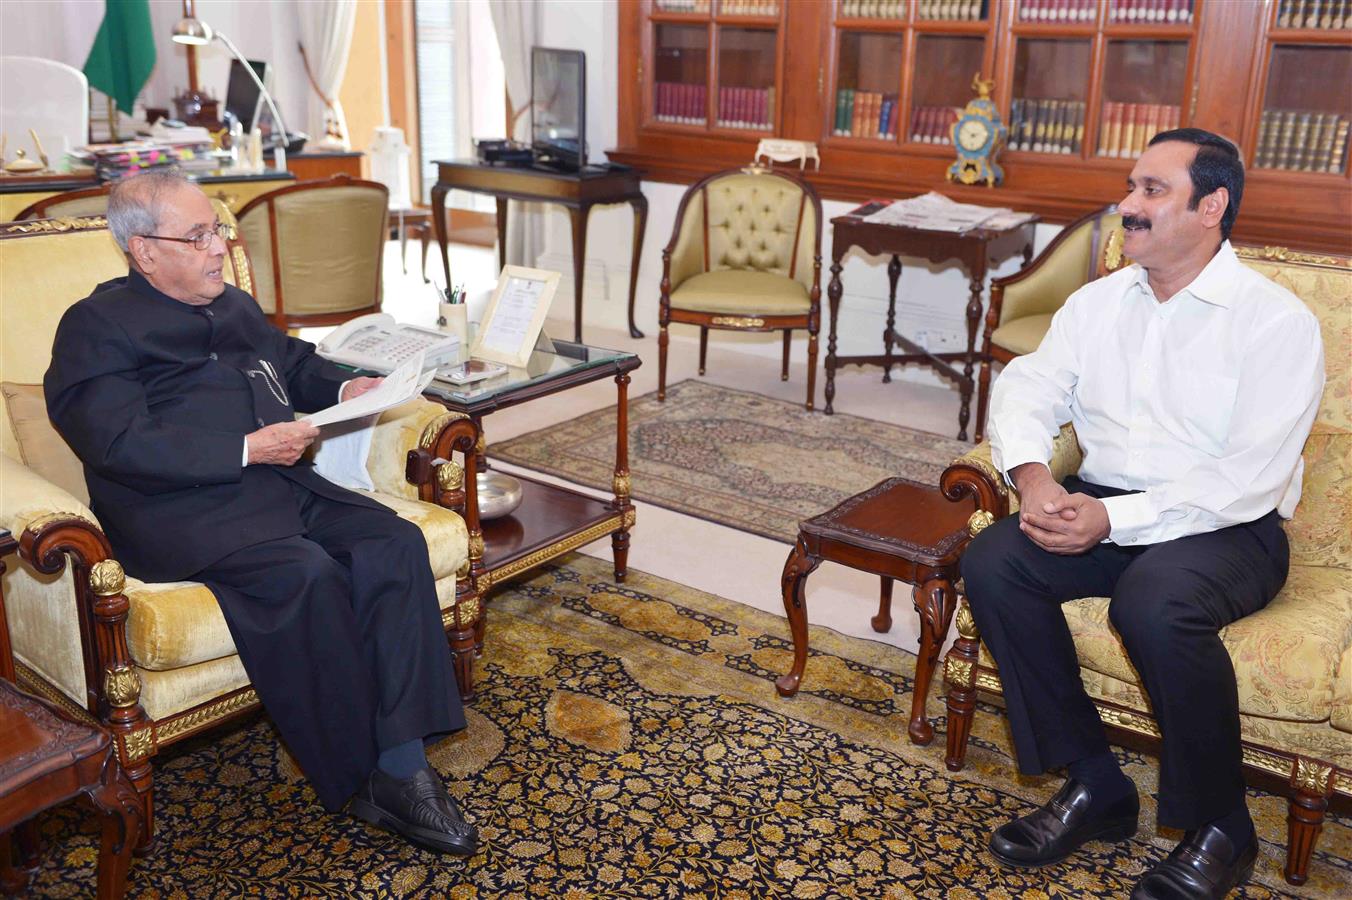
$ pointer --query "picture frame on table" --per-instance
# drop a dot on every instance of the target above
(515, 315)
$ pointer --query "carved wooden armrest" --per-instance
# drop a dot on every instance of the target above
(974, 474)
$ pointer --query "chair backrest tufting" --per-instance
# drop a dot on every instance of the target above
(761, 221)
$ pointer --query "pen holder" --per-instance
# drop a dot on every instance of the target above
(454, 319)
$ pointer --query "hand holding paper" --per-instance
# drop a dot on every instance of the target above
(404, 383)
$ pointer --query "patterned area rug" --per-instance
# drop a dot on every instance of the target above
(733, 457)
(628, 742)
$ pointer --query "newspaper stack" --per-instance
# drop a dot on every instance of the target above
(935, 212)
(114, 161)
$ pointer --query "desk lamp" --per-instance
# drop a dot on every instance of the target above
(194, 32)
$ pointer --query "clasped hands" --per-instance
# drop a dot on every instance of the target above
(1056, 520)
(281, 444)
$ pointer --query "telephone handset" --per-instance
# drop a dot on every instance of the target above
(379, 343)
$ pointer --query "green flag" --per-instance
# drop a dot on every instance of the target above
(123, 54)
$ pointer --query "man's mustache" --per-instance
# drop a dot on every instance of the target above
(1135, 222)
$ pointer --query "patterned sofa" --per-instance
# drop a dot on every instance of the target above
(155, 663)
(1293, 660)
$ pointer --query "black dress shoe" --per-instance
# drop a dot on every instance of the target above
(418, 808)
(1056, 830)
(1200, 868)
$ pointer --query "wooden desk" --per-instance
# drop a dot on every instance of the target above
(578, 191)
(975, 250)
(320, 164)
(234, 189)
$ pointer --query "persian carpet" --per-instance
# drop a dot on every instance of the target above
(733, 457)
(627, 741)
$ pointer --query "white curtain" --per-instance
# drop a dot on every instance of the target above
(517, 23)
(326, 34)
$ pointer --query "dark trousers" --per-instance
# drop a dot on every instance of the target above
(341, 635)
(1168, 603)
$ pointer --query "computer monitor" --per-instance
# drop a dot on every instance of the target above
(242, 97)
(558, 90)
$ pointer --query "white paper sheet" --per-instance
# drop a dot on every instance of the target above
(512, 318)
(935, 212)
(404, 383)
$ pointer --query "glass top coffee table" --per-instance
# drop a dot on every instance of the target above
(550, 520)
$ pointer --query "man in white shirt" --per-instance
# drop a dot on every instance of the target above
(1192, 383)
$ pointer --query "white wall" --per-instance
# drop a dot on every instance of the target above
(931, 300)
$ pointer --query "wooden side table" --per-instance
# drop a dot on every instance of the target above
(975, 250)
(897, 529)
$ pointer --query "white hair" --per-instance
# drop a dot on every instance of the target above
(135, 204)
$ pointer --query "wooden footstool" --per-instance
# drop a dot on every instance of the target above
(897, 529)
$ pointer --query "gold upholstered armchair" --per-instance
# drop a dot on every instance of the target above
(317, 248)
(155, 663)
(1293, 659)
(745, 255)
(1022, 304)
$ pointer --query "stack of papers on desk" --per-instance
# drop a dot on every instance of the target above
(935, 212)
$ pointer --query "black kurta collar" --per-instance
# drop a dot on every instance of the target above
(139, 283)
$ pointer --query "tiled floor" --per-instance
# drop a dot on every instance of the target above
(721, 560)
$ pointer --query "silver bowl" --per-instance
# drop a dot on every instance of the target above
(499, 494)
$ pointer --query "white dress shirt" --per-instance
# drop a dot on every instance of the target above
(1202, 403)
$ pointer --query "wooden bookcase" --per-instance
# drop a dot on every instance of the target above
(1252, 70)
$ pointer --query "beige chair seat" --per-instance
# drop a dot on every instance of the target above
(735, 291)
(1022, 336)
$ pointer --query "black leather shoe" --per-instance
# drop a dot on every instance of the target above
(1199, 868)
(418, 808)
(1057, 829)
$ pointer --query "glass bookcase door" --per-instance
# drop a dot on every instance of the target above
(681, 73)
(1306, 110)
(746, 77)
(944, 66)
(1144, 85)
(868, 85)
(1048, 95)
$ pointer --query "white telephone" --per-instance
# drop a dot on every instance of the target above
(379, 343)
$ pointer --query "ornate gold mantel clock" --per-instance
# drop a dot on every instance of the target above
(978, 135)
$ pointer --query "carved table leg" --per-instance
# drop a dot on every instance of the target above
(619, 540)
(882, 622)
(439, 229)
(640, 205)
(119, 810)
(893, 275)
(797, 567)
(934, 600)
(960, 673)
(833, 292)
(973, 319)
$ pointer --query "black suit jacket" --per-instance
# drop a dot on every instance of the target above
(156, 396)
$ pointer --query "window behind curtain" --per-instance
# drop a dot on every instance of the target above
(433, 22)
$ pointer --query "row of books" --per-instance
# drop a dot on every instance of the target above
(748, 7)
(865, 114)
(1325, 14)
(683, 6)
(1298, 140)
(1046, 126)
(1150, 12)
(681, 102)
(1125, 129)
(952, 10)
(1133, 12)
(934, 124)
(742, 107)
(873, 9)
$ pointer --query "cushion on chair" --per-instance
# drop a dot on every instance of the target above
(41, 446)
(1022, 336)
(742, 293)
(1286, 656)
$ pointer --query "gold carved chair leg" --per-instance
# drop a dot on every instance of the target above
(1312, 786)
(960, 675)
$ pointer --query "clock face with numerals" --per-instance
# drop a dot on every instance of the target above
(973, 133)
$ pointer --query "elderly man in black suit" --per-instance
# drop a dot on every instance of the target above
(180, 397)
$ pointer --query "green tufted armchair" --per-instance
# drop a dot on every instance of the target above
(745, 255)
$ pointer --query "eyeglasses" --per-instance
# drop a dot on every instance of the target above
(201, 241)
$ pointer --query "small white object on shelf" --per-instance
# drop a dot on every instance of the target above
(786, 151)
